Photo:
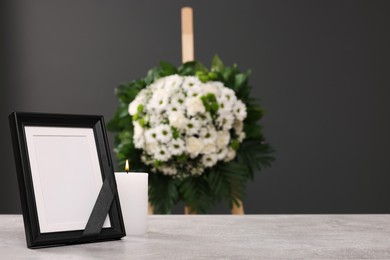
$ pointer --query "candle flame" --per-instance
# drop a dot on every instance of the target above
(127, 167)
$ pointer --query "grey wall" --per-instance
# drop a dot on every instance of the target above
(321, 69)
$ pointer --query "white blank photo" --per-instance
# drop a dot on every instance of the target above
(66, 176)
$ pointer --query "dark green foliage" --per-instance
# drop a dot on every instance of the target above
(224, 182)
(163, 192)
(197, 193)
(228, 182)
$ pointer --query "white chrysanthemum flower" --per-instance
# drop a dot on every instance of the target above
(205, 120)
(133, 106)
(218, 84)
(209, 160)
(222, 154)
(173, 81)
(151, 148)
(209, 148)
(159, 101)
(231, 154)
(191, 83)
(238, 126)
(138, 130)
(141, 99)
(162, 153)
(194, 146)
(144, 93)
(139, 143)
(224, 107)
(154, 120)
(177, 120)
(177, 146)
(225, 121)
(208, 134)
(143, 96)
(241, 137)
(178, 99)
(194, 106)
(151, 106)
(171, 91)
(158, 84)
(172, 108)
(168, 170)
(147, 159)
(228, 96)
(195, 93)
(210, 88)
(196, 170)
(193, 126)
(138, 137)
(163, 133)
(151, 136)
(223, 139)
(239, 110)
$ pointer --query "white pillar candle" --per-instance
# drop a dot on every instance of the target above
(133, 197)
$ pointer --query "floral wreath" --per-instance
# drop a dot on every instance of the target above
(195, 130)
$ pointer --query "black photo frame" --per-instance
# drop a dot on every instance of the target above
(66, 179)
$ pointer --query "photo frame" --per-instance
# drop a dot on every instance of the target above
(66, 179)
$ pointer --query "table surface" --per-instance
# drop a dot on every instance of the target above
(224, 237)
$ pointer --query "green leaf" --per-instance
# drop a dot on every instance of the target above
(121, 120)
(228, 181)
(241, 80)
(127, 92)
(252, 130)
(188, 68)
(217, 64)
(212, 75)
(167, 69)
(254, 113)
(163, 193)
(152, 75)
(114, 124)
(256, 155)
(182, 157)
(196, 193)
(235, 144)
(199, 67)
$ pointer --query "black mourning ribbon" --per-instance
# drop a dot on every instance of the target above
(100, 210)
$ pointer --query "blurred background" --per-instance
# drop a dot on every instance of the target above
(320, 68)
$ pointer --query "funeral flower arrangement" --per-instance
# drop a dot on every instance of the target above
(184, 126)
(195, 130)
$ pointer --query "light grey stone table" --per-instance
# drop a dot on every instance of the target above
(224, 237)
